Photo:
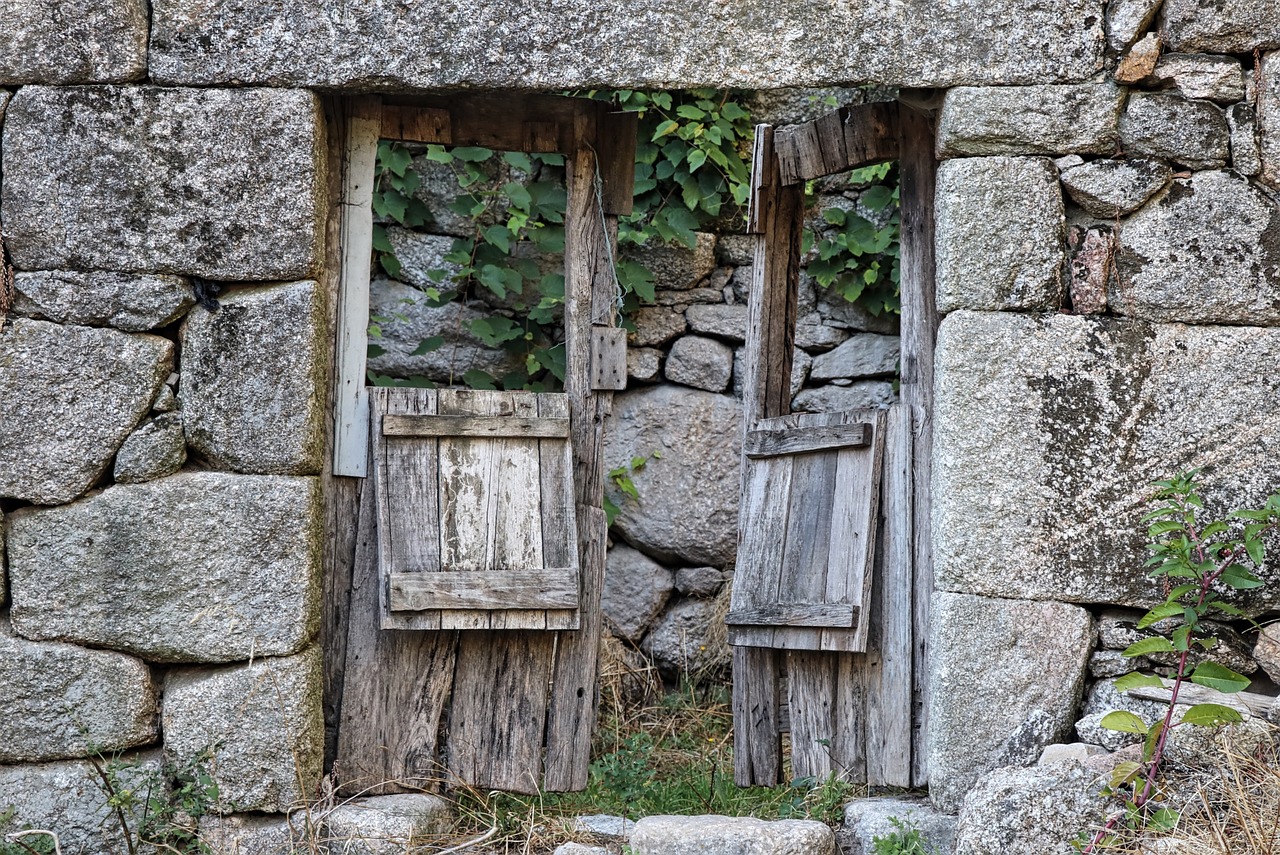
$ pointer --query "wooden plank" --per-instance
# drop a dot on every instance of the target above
(919, 332)
(506, 122)
(527, 588)
(848, 746)
(795, 614)
(406, 474)
(395, 689)
(351, 405)
(497, 723)
(889, 658)
(844, 139)
(616, 158)
(811, 696)
(417, 124)
(608, 358)
(770, 443)
(757, 735)
(493, 427)
(589, 299)
(559, 524)
(802, 572)
(1248, 703)
(762, 538)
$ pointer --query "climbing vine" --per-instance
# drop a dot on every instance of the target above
(691, 174)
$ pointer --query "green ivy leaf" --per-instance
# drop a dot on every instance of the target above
(1137, 680)
(1211, 715)
(472, 154)
(1219, 677)
(1148, 646)
(667, 128)
(1124, 722)
(427, 345)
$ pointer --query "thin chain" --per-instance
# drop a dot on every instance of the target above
(604, 229)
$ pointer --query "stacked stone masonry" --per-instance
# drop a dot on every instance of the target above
(1108, 268)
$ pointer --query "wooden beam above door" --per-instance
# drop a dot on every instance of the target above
(844, 139)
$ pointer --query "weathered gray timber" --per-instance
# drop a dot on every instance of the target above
(585, 45)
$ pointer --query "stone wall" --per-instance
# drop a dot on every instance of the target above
(1108, 265)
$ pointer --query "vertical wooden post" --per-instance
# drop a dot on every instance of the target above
(776, 219)
(919, 332)
(589, 299)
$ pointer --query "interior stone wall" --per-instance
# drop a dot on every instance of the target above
(1107, 262)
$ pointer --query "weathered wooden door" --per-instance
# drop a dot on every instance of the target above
(830, 598)
(463, 630)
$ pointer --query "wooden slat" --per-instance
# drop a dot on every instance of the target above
(406, 477)
(847, 138)
(887, 665)
(494, 427)
(417, 124)
(559, 524)
(757, 736)
(849, 745)
(811, 694)
(919, 332)
(532, 588)
(507, 122)
(795, 614)
(616, 155)
(608, 359)
(770, 443)
(351, 403)
(589, 299)
(802, 572)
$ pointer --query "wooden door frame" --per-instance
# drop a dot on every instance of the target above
(784, 160)
(595, 140)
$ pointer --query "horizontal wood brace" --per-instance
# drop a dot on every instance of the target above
(795, 614)
(844, 139)
(772, 443)
(475, 426)
(537, 588)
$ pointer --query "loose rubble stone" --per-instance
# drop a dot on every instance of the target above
(674, 266)
(226, 184)
(1127, 20)
(1201, 746)
(156, 449)
(1028, 120)
(700, 581)
(572, 848)
(253, 372)
(1246, 156)
(814, 335)
(64, 701)
(1074, 752)
(69, 395)
(738, 250)
(5, 95)
(605, 825)
(1034, 811)
(683, 300)
(1162, 124)
(165, 402)
(386, 825)
(4, 579)
(1000, 234)
(867, 819)
(702, 363)
(1141, 60)
(836, 311)
(1269, 119)
(1118, 629)
(459, 350)
(679, 519)
(248, 834)
(833, 399)
(1035, 653)
(643, 363)
(261, 721)
(1092, 268)
(1113, 663)
(66, 797)
(801, 363)
(1266, 651)
(127, 302)
(62, 42)
(864, 355)
(1049, 430)
(1228, 26)
(1208, 251)
(1102, 699)
(723, 835)
(656, 45)
(1109, 188)
(137, 567)
(1196, 76)
(655, 325)
(691, 639)
(728, 322)
(636, 588)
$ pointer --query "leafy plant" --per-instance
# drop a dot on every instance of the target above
(620, 478)
(168, 803)
(856, 255)
(1197, 563)
(24, 840)
(905, 839)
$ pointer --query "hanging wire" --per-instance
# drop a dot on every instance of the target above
(604, 229)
